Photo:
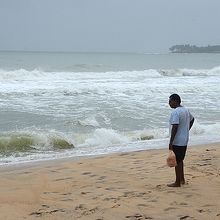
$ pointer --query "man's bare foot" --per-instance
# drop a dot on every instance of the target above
(183, 182)
(174, 185)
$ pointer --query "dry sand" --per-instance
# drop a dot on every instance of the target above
(119, 186)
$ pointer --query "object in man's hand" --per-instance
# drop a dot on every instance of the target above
(171, 159)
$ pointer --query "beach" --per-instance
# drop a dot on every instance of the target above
(117, 186)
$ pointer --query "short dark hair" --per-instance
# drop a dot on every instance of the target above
(176, 98)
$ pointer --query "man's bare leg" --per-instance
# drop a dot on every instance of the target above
(182, 178)
(178, 172)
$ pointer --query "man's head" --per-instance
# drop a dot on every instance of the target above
(174, 101)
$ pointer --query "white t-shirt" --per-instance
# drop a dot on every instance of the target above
(182, 117)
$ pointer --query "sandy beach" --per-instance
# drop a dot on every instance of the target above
(118, 186)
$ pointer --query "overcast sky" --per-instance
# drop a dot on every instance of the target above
(107, 25)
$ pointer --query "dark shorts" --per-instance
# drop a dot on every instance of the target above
(180, 152)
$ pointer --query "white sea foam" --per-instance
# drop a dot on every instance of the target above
(91, 121)
(105, 137)
(101, 112)
(101, 141)
(214, 71)
(190, 72)
(22, 74)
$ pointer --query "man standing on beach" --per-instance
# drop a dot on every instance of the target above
(181, 122)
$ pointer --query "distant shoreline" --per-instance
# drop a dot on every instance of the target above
(197, 52)
(187, 48)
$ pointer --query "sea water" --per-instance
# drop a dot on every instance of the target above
(58, 105)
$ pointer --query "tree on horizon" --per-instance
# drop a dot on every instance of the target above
(187, 48)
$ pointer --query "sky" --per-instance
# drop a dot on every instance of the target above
(142, 26)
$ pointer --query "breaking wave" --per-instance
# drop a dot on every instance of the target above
(22, 74)
(18, 142)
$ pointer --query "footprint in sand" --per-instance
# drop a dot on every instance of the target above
(84, 210)
(86, 173)
(67, 178)
(210, 149)
(123, 154)
(114, 199)
(169, 208)
(102, 177)
(93, 175)
(142, 205)
(138, 217)
(50, 192)
(134, 194)
(203, 210)
(176, 203)
(42, 212)
(84, 193)
(186, 217)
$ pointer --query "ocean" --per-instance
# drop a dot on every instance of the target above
(61, 105)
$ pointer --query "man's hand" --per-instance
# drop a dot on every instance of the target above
(191, 123)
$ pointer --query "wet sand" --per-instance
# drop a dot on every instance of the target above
(130, 186)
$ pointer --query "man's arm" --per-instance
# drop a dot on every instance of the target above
(191, 123)
(173, 134)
